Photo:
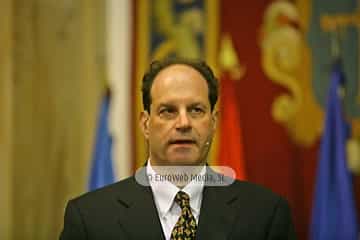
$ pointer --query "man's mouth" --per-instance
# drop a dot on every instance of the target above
(182, 142)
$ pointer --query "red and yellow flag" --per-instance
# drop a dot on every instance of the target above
(230, 144)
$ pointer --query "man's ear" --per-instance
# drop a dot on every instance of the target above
(214, 118)
(144, 123)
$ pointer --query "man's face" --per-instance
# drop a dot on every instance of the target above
(180, 125)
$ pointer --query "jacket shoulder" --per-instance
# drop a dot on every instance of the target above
(107, 192)
(253, 188)
(256, 194)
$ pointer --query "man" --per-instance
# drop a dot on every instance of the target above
(178, 122)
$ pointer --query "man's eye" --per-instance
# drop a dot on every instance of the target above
(167, 112)
(197, 110)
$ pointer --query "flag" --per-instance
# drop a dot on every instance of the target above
(230, 146)
(102, 172)
(334, 211)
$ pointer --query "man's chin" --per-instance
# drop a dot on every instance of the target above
(184, 161)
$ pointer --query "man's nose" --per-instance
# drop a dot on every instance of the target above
(183, 121)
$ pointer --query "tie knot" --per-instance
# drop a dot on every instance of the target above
(182, 199)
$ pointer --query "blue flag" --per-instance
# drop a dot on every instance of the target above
(334, 211)
(102, 172)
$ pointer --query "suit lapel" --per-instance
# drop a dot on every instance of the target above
(139, 219)
(217, 214)
(138, 214)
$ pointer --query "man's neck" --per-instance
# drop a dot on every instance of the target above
(180, 176)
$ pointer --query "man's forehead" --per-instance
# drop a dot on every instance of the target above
(182, 101)
(179, 76)
(177, 66)
(179, 83)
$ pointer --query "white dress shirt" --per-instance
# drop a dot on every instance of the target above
(164, 193)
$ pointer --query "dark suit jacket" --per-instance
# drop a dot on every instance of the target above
(126, 210)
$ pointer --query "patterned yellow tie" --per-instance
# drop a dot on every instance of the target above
(185, 228)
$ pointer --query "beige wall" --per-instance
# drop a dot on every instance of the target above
(6, 118)
(52, 76)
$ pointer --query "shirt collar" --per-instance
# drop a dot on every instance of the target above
(165, 191)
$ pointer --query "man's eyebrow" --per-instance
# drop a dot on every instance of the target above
(166, 105)
(196, 104)
(173, 105)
